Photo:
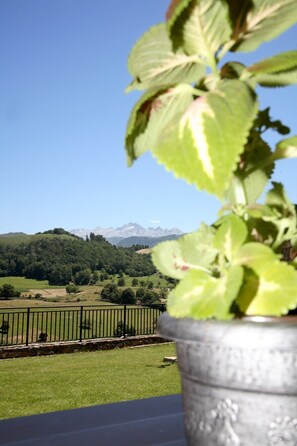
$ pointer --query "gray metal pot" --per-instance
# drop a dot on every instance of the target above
(239, 379)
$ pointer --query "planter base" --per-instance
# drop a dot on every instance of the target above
(239, 380)
(216, 416)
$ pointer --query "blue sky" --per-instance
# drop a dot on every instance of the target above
(63, 114)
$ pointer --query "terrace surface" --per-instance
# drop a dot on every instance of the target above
(146, 422)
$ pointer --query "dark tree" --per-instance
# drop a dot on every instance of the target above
(111, 293)
(7, 291)
(128, 296)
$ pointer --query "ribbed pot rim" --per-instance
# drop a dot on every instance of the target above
(251, 331)
(273, 319)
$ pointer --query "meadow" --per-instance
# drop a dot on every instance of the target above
(54, 295)
(52, 383)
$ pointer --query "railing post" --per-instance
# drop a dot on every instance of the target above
(28, 324)
(125, 319)
(81, 323)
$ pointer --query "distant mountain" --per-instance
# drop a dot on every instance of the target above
(115, 240)
(128, 230)
(146, 241)
(12, 234)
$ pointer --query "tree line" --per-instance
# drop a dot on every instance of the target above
(112, 293)
(61, 258)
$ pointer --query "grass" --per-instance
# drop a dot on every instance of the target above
(87, 291)
(158, 282)
(21, 283)
(51, 383)
(26, 284)
(20, 303)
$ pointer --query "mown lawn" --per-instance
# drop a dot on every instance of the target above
(51, 383)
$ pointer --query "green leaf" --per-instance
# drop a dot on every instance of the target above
(277, 197)
(192, 251)
(277, 71)
(232, 70)
(260, 21)
(203, 147)
(150, 116)
(248, 290)
(200, 27)
(258, 210)
(230, 236)
(264, 122)
(255, 256)
(270, 290)
(175, 9)
(260, 228)
(200, 296)
(282, 79)
(284, 216)
(287, 148)
(253, 180)
(281, 62)
(153, 63)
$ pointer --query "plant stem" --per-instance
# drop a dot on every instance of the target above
(213, 66)
(197, 92)
(239, 192)
(225, 48)
(265, 162)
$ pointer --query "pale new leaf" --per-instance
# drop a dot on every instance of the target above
(272, 288)
(287, 148)
(230, 236)
(192, 251)
(203, 147)
(200, 296)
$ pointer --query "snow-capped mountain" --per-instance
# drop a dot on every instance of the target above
(128, 230)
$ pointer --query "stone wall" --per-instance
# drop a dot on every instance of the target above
(53, 348)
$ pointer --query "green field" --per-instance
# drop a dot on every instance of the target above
(158, 282)
(22, 284)
(51, 383)
(21, 303)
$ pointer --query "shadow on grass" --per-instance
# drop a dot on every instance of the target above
(162, 366)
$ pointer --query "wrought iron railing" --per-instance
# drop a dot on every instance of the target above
(24, 326)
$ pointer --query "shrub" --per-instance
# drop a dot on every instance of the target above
(111, 293)
(140, 292)
(121, 281)
(7, 291)
(71, 288)
(150, 297)
(121, 330)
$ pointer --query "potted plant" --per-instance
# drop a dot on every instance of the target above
(199, 116)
